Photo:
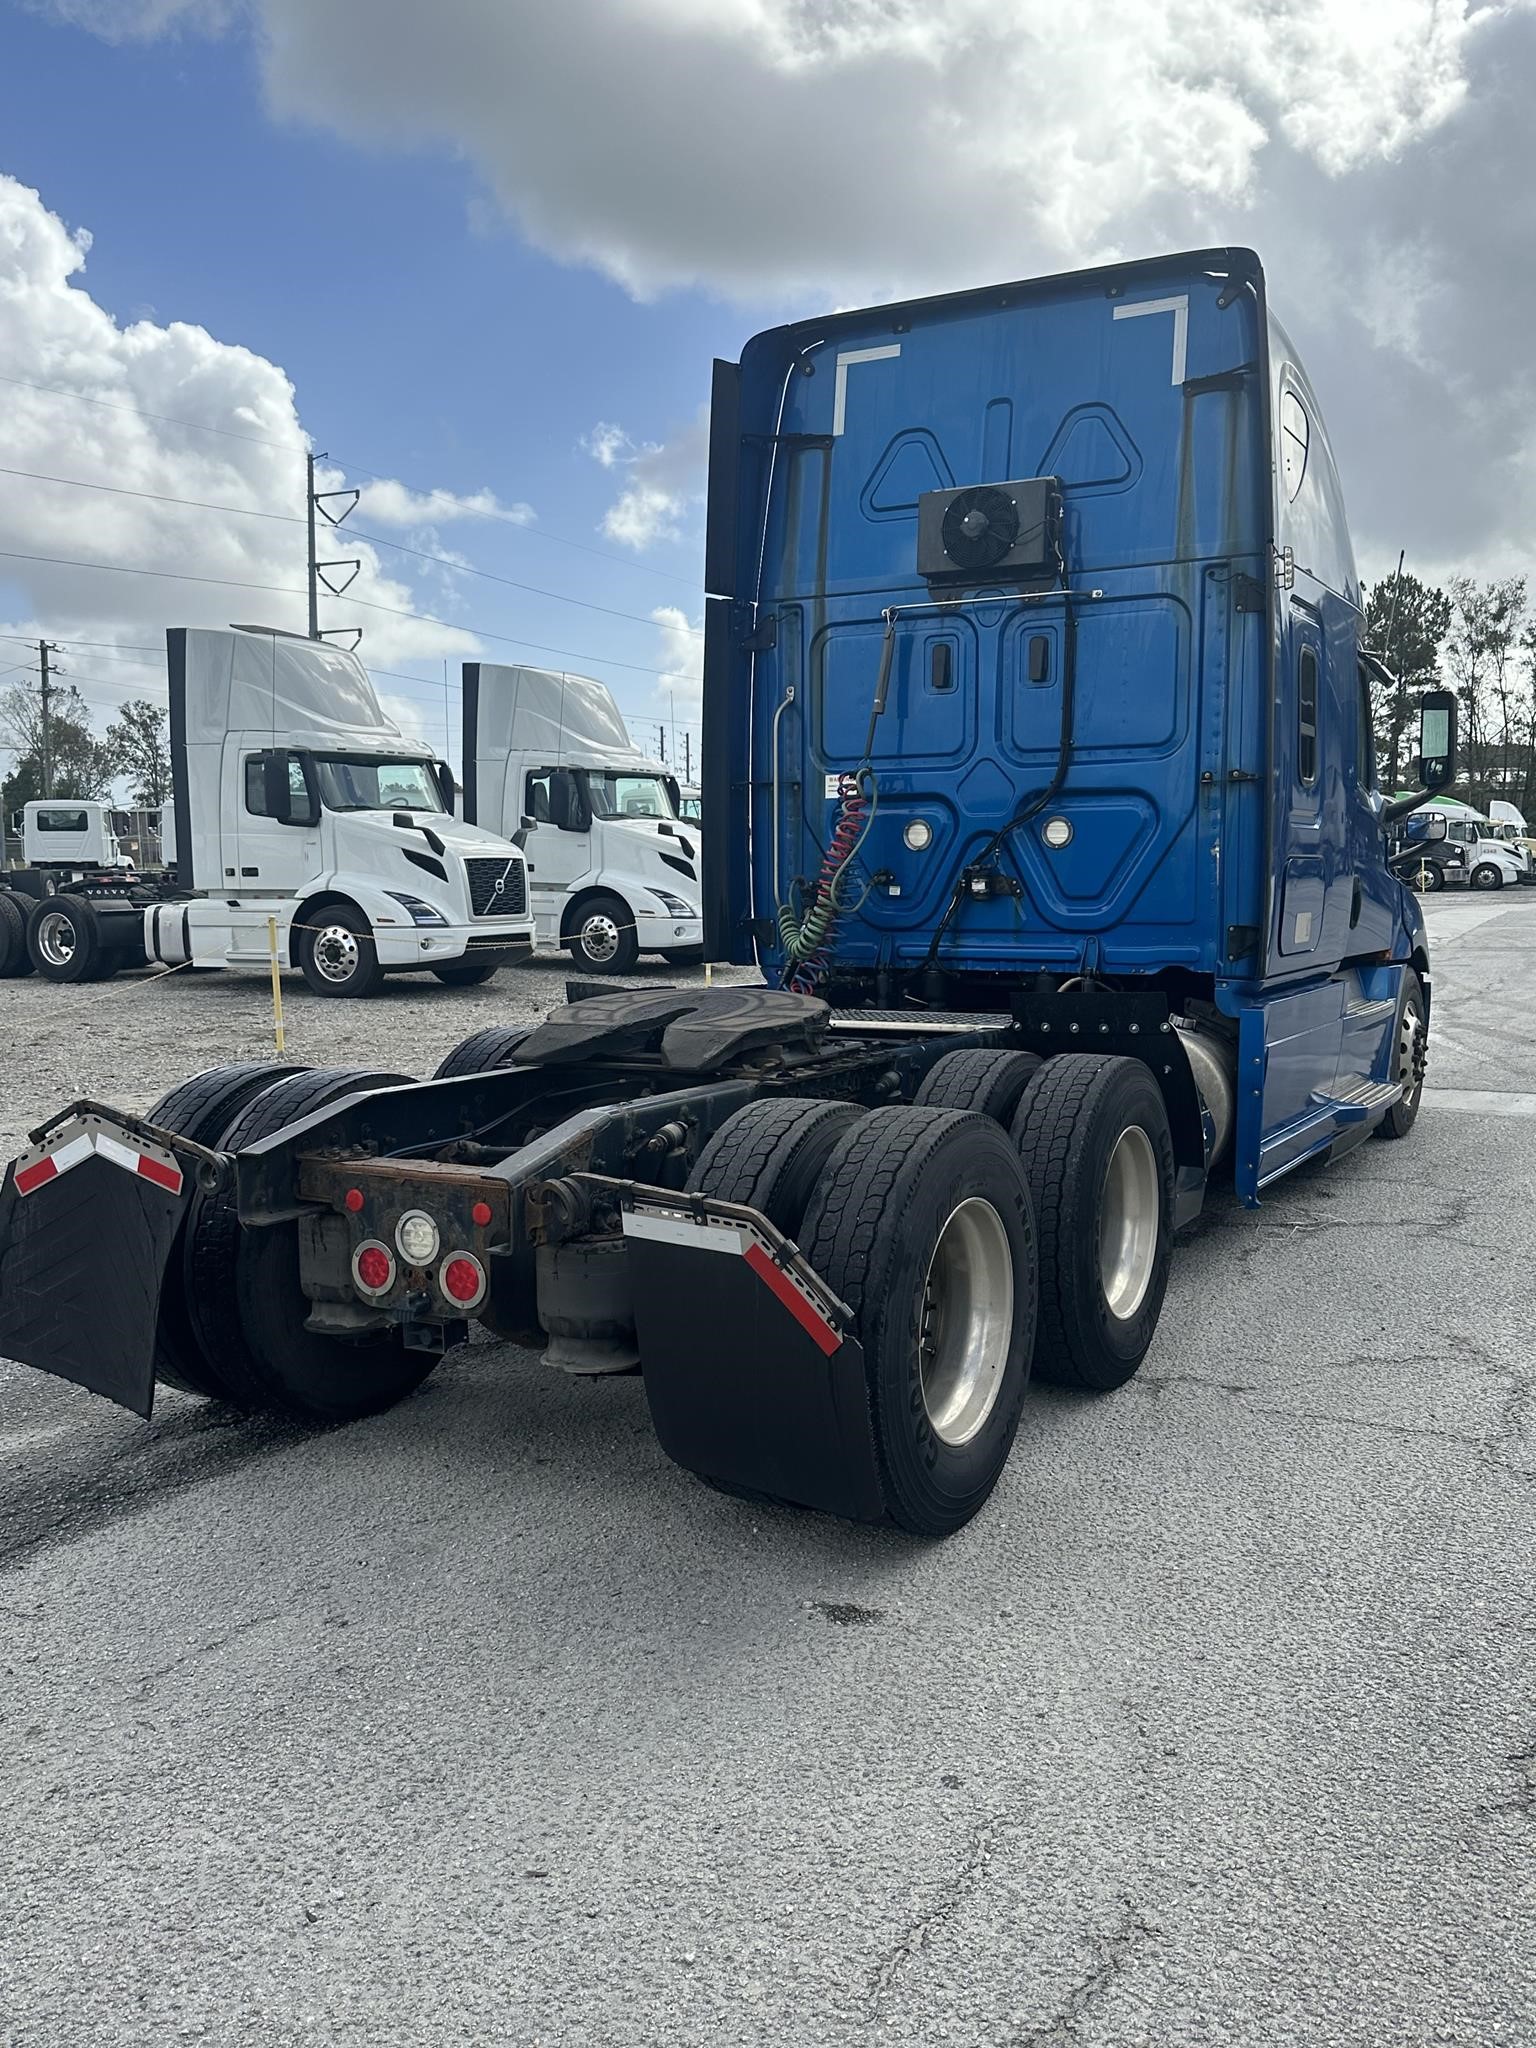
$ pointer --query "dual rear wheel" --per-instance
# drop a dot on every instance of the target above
(1017, 1216)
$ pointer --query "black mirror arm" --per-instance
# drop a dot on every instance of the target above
(1401, 806)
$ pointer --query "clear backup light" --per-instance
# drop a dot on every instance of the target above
(918, 835)
(417, 1236)
(1057, 833)
(462, 1280)
(373, 1267)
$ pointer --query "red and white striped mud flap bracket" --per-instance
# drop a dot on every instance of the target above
(752, 1371)
(88, 1216)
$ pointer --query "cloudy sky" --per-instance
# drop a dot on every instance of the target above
(482, 253)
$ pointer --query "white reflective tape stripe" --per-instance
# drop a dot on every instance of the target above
(119, 1154)
(71, 1154)
(840, 382)
(704, 1237)
(1179, 308)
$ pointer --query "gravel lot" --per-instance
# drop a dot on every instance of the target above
(479, 1722)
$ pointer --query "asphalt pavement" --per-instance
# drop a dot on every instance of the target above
(480, 1722)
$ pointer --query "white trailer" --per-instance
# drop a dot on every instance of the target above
(613, 867)
(300, 809)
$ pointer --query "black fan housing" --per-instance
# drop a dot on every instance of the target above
(990, 530)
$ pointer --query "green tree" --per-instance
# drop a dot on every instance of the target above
(1487, 625)
(1406, 622)
(80, 765)
(139, 744)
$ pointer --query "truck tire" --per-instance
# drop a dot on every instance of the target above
(603, 938)
(200, 1109)
(242, 1287)
(1429, 877)
(1486, 876)
(15, 960)
(467, 973)
(484, 1052)
(923, 1224)
(64, 940)
(337, 956)
(1412, 1043)
(771, 1155)
(989, 1082)
(1093, 1137)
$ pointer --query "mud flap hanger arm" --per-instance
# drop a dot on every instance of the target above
(210, 1169)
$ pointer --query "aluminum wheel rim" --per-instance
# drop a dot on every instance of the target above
(1410, 1053)
(1486, 878)
(966, 1321)
(1129, 1212)
(336, 953)
(600, 936)
(56, 939)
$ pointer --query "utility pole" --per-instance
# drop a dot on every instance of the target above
(45, 744)
(687, 757)
(661, 734)
(316, 501)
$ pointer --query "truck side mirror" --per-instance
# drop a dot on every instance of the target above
(276, 791)
(525, 825)
(670, 783)
(1437, 740)
(568, 807)
(447, 787)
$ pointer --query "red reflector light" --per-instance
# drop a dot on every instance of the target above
(463, 1279)
(374, 1268)
(354, 1199)
(481, 1213)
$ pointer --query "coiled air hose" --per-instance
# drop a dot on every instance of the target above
(806, 938)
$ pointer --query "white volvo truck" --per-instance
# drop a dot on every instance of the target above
(613, 867)
(299, 806)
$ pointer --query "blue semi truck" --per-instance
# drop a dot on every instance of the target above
(1038, 738)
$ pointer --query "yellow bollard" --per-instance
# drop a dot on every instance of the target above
(277, 989)
(709, 973)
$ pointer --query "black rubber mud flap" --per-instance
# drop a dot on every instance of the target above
(86, 1223)
(751, 1379)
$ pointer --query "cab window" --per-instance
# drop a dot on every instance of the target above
(256, 787)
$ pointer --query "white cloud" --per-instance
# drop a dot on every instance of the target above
(662, 480)
(387, 503)
(855, 145)
(680, 663)
(54, 335)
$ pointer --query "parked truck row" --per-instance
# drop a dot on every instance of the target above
(305, 819)
(1042, 796)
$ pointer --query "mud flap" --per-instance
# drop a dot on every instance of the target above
(87, 1219)
(753, 1377)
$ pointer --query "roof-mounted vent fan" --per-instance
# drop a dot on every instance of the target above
(1011, 529)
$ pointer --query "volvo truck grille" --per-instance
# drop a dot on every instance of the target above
(497, 888)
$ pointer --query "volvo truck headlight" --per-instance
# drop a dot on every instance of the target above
(674, 905)
(420, 913)
(1057, 833)
(918, 834)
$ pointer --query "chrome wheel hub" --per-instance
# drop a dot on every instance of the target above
(1128, 1220)
(336, 953)
(56, 939)
(966, 1321)
(600, 937)
(1412, 1052)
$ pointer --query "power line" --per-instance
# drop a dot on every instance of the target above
(460, 567)
(306, 448)
(368, 604)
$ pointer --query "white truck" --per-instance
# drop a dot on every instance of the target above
(613, 868)
(300, 809)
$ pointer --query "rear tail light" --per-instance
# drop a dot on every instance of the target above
(373, 1267)
(462, 1279)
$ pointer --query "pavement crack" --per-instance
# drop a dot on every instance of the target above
(207, 1649)
(1111, 1952)
(915, 1939)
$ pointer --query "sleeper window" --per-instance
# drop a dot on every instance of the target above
(1306, 718)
